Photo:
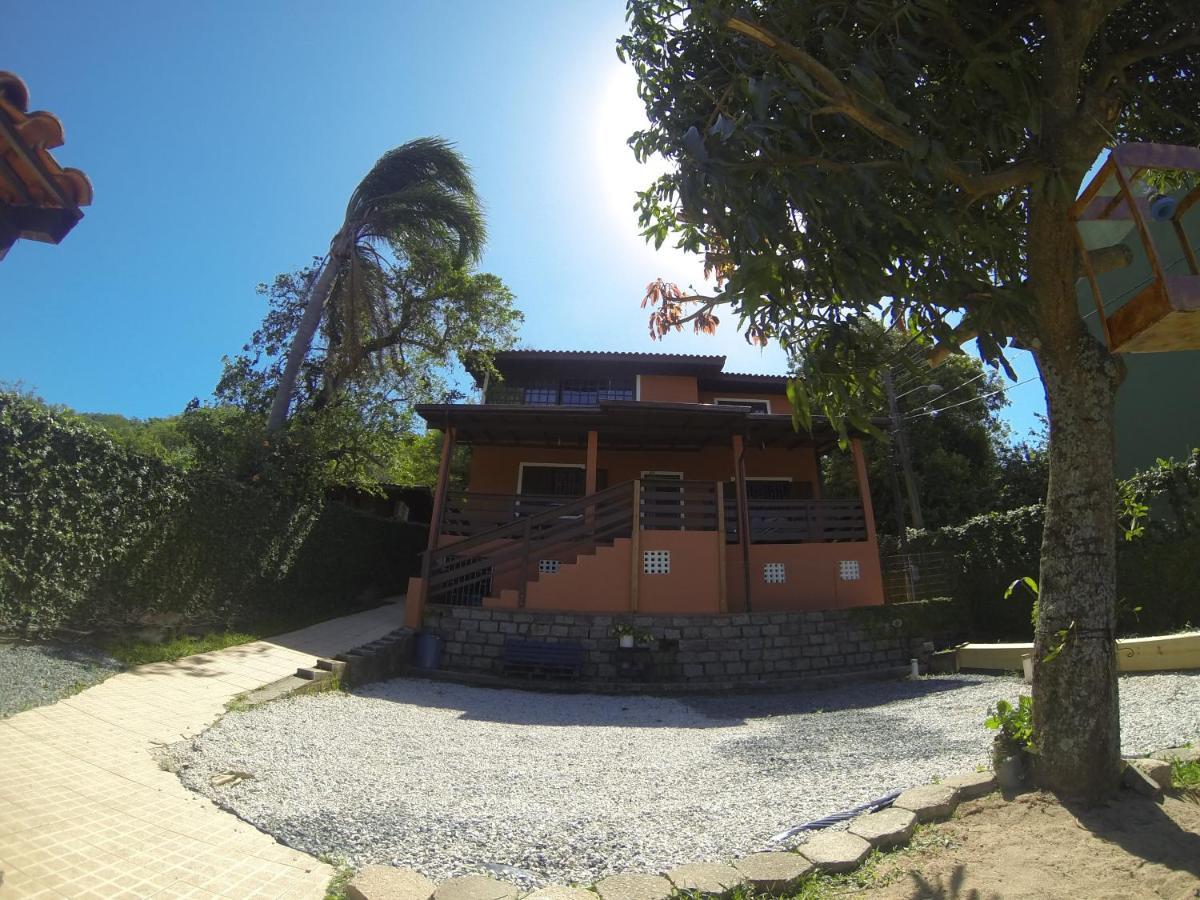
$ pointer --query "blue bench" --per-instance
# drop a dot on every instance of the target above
(546, 659)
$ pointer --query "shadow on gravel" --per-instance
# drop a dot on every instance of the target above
(525, 707)
(551, 709)
(857, 695)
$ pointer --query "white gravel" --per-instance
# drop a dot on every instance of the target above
(36, 674)
(451, 779)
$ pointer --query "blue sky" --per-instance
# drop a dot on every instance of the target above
(223, 141)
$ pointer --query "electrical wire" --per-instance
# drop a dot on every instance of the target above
(944, 393)
(1004, 390)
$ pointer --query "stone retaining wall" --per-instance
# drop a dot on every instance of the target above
(702, 652)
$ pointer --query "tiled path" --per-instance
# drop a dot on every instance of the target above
(85, 810)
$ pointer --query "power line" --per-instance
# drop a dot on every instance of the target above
(934, 412)
(944, 393)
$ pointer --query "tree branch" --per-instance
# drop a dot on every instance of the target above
(846, 102)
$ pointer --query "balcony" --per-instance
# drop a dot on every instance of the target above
(675, 506)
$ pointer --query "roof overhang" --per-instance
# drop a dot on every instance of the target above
(519, 363)
(623, 424)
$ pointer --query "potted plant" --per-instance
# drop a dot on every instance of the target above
(1012, 748)
(628, 636)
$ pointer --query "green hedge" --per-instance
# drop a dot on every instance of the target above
(94, 537)
(1158, 573)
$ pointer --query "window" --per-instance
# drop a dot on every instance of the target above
(547, 566)
(550, 480)
(590, 391)
(548, 391)
(775, 573)
(756, 406)
(848, 570)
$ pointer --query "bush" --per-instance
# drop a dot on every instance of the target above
(93, 536)
(1158, 590)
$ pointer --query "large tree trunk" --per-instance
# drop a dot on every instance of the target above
(317, 295)
(1076, 713)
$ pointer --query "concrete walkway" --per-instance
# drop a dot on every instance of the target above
(86, 812)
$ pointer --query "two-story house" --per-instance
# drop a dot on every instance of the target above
(641, 482)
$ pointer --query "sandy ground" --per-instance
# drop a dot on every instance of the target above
(1035, 847)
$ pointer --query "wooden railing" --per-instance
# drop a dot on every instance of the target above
(504, 536)
(798, 521)
(465, 572)
(467, 514)
(678, 505)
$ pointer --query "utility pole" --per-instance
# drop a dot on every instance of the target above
(910, 481)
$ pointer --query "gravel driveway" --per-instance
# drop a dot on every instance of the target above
(35, 674)
(451, 779)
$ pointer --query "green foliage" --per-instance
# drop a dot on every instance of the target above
(352, 422)
(1015, 723)
(1156, 571)
(956, 454)
(833, 162)
(1185, 774)
(133, 652)
(93, 536)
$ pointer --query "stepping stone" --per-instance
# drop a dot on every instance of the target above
(972, 785)
(773, 872)
(1137, 780)
(389, 883)
(929, 802)
(634, 887)
(835, 851)
(560, 892)
(885, 829)
(706, 879)
(1155, 769)
(475, 887)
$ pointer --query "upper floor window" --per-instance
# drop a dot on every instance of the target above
(758, 406)
(550, 391)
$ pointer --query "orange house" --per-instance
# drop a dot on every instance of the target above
(641, 482)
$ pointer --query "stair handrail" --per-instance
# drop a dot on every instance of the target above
(579, 504)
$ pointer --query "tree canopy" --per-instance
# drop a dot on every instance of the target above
(916, 161)
(353, 409)
(416, 205)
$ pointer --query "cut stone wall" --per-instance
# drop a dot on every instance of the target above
(701, 652)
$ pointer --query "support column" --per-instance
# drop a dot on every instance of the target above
(864, 486)
(743, 511)
(589, 477)
(414, 606)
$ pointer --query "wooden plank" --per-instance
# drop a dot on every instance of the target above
(635, 543)
(722, 590)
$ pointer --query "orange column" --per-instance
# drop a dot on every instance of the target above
(415, 601)
(864, 486)
(589, 477)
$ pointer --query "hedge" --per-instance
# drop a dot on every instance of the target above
(94, 537)
(1158, 573)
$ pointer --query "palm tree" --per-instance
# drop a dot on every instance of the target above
(419, 194)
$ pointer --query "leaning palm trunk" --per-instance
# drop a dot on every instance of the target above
(419, 193)
(318, 294)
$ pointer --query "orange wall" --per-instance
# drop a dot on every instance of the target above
(667, 388)
(494, 469)
(779, 402)
(813, 580)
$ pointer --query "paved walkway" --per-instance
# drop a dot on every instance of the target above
(86, 812)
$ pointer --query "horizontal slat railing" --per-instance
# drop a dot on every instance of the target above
(679, 505)
(468, 514)
(464, 572)
(799, 521)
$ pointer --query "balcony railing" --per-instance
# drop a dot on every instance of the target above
(673, 506)
(798, 521)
